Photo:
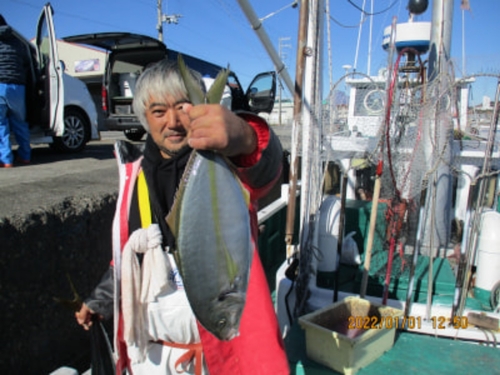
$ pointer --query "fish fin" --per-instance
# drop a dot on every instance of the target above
(195, 93)
(173, 217)
(178, 261)
(214, 95)
(246, 194)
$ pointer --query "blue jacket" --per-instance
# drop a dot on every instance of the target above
(14, 58)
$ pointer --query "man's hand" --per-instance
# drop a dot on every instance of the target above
(214, 127)
(84, 317)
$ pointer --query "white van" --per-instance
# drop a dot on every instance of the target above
(60, 109)
(129, 54)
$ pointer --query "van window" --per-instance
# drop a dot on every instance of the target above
(44, 48)
(126, 67)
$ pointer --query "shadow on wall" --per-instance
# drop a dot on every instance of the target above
(39, 250)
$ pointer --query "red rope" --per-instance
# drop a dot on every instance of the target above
(193, 352)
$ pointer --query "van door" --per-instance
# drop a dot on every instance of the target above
(261, 93)
(51, 73)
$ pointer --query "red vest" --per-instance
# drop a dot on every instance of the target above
(259, 349)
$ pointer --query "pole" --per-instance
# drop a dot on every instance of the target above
(340, 240)
(264, 38)
(330, 62)
(297, 107)
(159, 25)
(281, 46)
(296, 90)
(380, 165)
(476, 219)
(430, 270)
(420, 229)
(439, 56)
(371, 229)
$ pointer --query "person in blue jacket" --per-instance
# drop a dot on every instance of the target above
(14, 68)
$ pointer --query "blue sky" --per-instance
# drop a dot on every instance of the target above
(218, 31)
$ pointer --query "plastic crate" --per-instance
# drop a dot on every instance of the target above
(331, 343)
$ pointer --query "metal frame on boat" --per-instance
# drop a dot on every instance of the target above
(435, 290)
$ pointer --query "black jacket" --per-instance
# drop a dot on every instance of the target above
(14, 60)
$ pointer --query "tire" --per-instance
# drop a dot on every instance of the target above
(134, 135)
(76, 132)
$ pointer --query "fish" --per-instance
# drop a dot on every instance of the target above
(211, 225)
(196, 94)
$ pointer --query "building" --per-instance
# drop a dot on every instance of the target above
(86, 63)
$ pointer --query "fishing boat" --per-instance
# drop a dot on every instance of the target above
(397, 211)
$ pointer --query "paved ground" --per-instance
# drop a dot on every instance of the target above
(52, 177)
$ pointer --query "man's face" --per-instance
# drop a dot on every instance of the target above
(168, 124)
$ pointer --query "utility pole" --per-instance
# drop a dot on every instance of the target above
(282, 57)
(173, 18)
(159, 25)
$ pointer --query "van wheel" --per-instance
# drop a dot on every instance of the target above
(134, 134)
(76, 132)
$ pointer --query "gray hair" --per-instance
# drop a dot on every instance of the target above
(159, 80)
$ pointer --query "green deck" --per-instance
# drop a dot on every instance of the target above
(411, 354)
(272, 251)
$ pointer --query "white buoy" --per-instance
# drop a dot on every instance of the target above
(488, 251)
(326, 234)
(416, 35)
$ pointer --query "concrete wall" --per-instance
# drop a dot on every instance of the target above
(38, 250)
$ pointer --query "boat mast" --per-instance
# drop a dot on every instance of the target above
(311, 113)
(297, 108)
(311, 171)
(441, 181)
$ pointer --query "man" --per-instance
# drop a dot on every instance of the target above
(14, 68)
(175, 341)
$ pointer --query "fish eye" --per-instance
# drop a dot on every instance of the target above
(221, 323)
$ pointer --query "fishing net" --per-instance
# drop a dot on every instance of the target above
(419, 132)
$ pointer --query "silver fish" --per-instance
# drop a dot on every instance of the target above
(211, 224)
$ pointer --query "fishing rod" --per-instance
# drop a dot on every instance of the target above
(462, 262)
(340, 239)
(430, 270)
(418, 243)
(476, 220)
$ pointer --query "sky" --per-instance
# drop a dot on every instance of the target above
(218, 30)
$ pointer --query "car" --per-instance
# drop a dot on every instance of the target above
(129, 54)
(60, 110)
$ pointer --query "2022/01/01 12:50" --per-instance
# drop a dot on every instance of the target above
(410, 322)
